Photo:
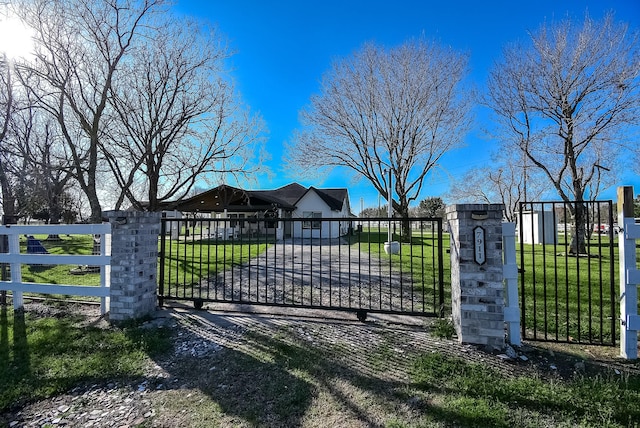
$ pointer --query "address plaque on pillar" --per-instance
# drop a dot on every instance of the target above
(479, 245)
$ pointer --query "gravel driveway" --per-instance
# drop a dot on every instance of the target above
(204, 380)
(321, 273)
(205, 343)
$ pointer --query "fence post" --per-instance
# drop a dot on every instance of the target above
(629, 274)
(16, 271)
(134, 264)
(510, 273)
(105, 271)
(477, 301)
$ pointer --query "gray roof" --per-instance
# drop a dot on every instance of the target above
(334, 198)
(235, 199)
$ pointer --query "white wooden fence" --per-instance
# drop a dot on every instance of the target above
(510, 275)
(15, 259)
(629, 274)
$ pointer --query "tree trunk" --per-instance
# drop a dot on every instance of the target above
(54, 215)
(405, 224)
(406, 229)
(579, 230)
(8, 198)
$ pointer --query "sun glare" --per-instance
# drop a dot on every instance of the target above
(15, 38)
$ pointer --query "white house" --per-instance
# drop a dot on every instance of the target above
(322, 203)
(251, 212)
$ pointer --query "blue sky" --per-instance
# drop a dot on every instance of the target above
(282, 48)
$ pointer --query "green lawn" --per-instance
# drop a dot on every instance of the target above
(46, 356)
(419, 259)
(474, 394)
(570, 298)
(576, 305)
(60, 274)
(187, 262)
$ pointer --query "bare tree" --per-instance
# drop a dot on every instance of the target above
(565, 101)
(379, 110)
(7, 109)
(508, 181)
(180, 119)
(374, 212)
(44, 160)
(79, 47)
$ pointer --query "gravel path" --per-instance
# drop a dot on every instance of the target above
(202, 335)
(322, 273)
(199, 335)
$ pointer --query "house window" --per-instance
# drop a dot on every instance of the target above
(311, 224)
(234, 223)
(270, 224)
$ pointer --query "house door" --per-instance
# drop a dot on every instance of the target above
(287, 225)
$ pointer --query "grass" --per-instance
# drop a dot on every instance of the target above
(443, 328)
(419, 259)
(566, 298)
(570, 298)
(478, 395)
(45, 356)
(276, 373)
(283, 381)
(60, 274)
(187, 262)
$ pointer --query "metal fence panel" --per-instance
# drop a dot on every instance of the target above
(326, 263)
(567, 270)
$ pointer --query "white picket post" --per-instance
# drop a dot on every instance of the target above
(510, 274)
(629, 275)
(105, 272)
(16, 270)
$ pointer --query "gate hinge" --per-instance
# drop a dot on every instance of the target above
(633, 323)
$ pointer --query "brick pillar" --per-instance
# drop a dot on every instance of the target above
(477, 273)
(134, 263)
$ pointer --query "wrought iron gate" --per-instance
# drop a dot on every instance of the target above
(321, 263)
(567, 271)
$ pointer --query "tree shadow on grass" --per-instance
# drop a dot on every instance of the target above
(287, 371)
(14, 353)
(268, 377)
(281, 372)
(50, 353)
(247, 380)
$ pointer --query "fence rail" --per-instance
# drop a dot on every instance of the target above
(15, 260)
(325, 263)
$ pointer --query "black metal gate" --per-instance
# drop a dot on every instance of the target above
(567, 271)
(314, 262)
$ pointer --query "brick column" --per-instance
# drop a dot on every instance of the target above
(477, 273)
(134, 263)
